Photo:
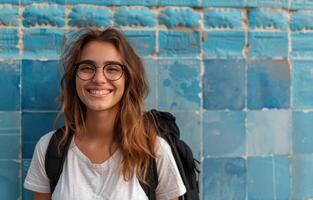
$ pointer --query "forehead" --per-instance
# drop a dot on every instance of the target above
(100, 52)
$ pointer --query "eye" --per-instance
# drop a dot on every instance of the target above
(113, 68)
(86, 68)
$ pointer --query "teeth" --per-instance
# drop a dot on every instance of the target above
(99, 92)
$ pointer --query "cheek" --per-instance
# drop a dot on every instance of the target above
(122, 86)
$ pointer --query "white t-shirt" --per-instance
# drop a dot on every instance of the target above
(83, 180)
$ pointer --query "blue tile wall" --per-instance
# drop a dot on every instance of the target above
(223, 18)
(32, 130)
(179, 84)
(114, 2)
(237, 74)
(302, 84)
(260, 185)
(10, 140)
(47, 15)
(27, 2)
(223, 3)
(301, 20)
(268, 132)
(302, 4)
(224, 84)
(9, 179)
(190, 3)
(142, 41)
(9, 15)
(268, 3)
(189, 124)
(26, 194)
(90, 16)
(42, 43)
(10, 123)
(302, 137)
(10, 146)
(268, 184)
(224, 44)
(179, 17)
(224, 133)
(223, 176)
(268, 19)
(35, 73)
(151, 71)
(268, 84)
(134, 17)
(302, 176)
(10, 1)
(179, 43)
(10, 85)
(268, 44)
(282, 177)
(301, 45)
(8, 43)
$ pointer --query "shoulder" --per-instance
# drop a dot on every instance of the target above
(36, 179)
(162, 147)
(164, 155)
(170, 184)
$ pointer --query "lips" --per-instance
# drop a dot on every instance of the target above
(99, 92)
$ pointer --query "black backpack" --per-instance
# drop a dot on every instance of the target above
(168, 130)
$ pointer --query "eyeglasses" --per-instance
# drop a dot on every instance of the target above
(112, 71)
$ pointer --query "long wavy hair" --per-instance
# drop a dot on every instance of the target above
(134, 129)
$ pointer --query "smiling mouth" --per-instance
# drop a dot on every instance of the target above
(99, 93)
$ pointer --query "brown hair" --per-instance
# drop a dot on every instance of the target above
(135, 131)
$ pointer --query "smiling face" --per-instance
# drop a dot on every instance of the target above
(100, 94)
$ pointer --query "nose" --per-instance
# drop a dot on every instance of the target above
(99, 76)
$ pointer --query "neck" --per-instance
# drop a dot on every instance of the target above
(100, 125)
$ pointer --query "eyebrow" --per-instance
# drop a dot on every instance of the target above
(104, 63)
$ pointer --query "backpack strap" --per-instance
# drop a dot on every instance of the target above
(187, 167)
(152, 181)
(166, 124)
(55, 157)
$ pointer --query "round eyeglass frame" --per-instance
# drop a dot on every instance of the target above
(123, 67)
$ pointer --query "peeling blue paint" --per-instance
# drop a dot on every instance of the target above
(179, 84)
(268, 3)
(45, 15)
(135, 17)
(194, 3)
(9, 16)
(173, 17)
(268, 19)
(179, 43)
(223, 3)
(223, 18)
(301, 20)
(82, 16)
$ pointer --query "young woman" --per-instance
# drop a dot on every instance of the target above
(103, 91)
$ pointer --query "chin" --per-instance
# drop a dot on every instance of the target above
(102, 108)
